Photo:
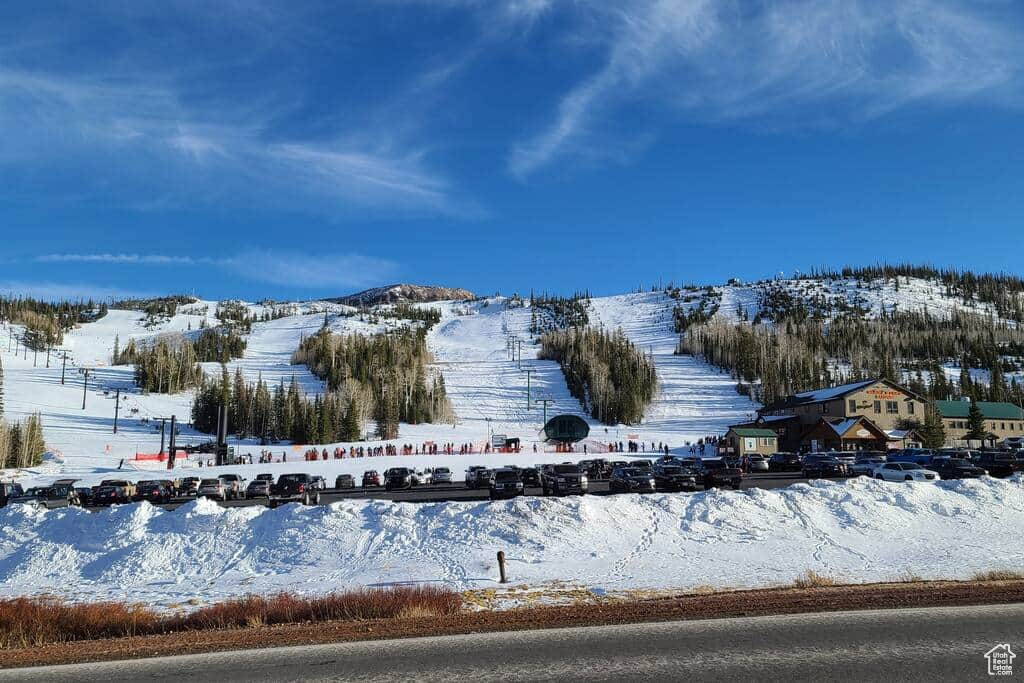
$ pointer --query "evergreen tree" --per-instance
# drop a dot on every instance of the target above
(976, 430)
(933, 433)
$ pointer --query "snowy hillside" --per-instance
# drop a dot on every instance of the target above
(487, 388)
(859, 531)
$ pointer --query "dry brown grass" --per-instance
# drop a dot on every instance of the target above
(812, 579)
(26, 622)
(36, 621)
(999, 575)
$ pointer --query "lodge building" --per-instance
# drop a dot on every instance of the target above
(862, 415)
(1002, 420)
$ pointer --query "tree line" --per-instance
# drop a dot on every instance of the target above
(169, 363)
(797, 353)
(612, 379)
(281, 413)
(392, 369)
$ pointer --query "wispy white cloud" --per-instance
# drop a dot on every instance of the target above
(273, 266)
(784, 63)
(150, 259)
(65, 291)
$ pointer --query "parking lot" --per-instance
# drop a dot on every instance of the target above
(430, 493)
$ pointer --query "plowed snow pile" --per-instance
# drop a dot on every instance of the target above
(859, 531)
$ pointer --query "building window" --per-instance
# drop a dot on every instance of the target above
(878, 407)
(910, 407)
(1002, 425)
(852, 403)
(892, 407)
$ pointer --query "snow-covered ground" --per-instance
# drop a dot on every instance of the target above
(859, 531)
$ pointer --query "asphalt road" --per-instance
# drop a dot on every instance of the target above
(933, 644)
(458, 492)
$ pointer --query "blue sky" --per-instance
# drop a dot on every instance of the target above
(294, 150)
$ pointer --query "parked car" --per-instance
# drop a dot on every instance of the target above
(477, 476)
(505, 483)
(48, 497)
(171, 485)
(398, 478)
(865, 464)
(109, 495)
(8, 490)
(234, 486)
(631, 480)
(84, 494)
(442, 475)
(127, 487)
(266, 476)
(564, 479)
(294, 488)
(904, 471)
(319, 483)
(956, 468)
(189, 486)
(258, 488)
(642, 463)
(531, 476)
(997, 464)
(212, 488)
(597, 468)
(344, 481)
(921, 456)
(153, 491)
(755, 463)
(717, 472)
(674, 478)
(784, 462)
(817, 465)
(371, 478)
(422, 477)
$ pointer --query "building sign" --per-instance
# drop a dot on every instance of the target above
(884, 394)
(749, 444)
(863, 433)
(498, 440)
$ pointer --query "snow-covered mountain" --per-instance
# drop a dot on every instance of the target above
(404, 294)
(490, 392)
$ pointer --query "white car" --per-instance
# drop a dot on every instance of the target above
(756, 463)
(904, 471)
(442, 475)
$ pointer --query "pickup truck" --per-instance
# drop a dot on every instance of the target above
(110, 491)
(564, 479)
(234, 486)
(294, 488)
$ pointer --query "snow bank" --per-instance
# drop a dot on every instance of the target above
(863, 530)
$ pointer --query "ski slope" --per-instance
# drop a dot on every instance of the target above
(694, 399)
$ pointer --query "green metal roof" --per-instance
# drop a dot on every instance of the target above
(754, 432)
(991, 411)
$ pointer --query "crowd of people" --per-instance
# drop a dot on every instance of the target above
(468, 448)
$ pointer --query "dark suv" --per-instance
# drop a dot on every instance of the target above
(674, 478)
(397, 478)
(716, 472)
(997, 464)
(506, 483)
(152, 491)
(631, 480)
(784, 462)
(564, 479)
(817, 466)
(9, 490)
(955, 468)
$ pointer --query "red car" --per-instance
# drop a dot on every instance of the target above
(371, 478)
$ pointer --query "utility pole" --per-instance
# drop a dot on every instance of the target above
(545, 401)
(10, 338)
(85, 385)
(528, 373)
(519, 361)
(170, 456)
(63, 367)
(35, 357)
(48, 350)
(163, 430)
(117, 407)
